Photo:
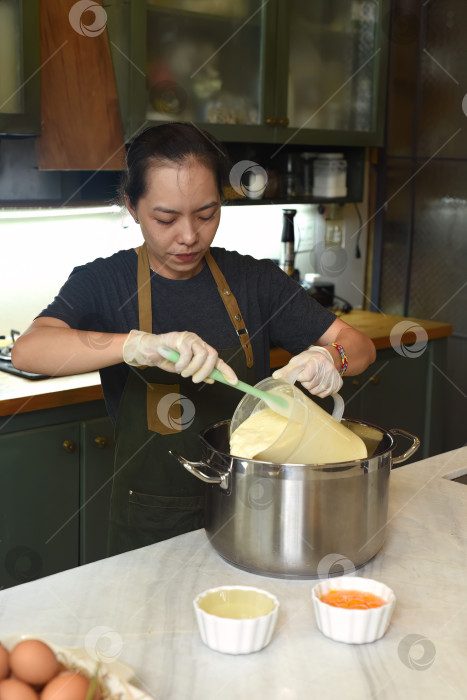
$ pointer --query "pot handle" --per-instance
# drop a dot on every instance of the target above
(413, 447)
(194, 468)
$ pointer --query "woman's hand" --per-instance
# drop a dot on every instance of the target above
(197, 358)
(314, 369)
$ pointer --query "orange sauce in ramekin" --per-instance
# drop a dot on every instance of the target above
(353, 600)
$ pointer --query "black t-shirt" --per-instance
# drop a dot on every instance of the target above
(102, 296)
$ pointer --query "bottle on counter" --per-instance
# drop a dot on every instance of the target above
(287, 260)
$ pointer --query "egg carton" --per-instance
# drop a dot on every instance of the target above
(113, 676)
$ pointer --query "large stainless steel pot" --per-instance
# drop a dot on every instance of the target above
(300, 520)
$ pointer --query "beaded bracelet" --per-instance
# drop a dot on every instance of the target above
(344, 358)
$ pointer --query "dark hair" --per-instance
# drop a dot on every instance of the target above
(175, 142)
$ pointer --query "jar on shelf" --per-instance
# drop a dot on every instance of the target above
(291, 183)
(330, 175)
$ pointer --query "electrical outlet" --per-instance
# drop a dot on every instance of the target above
(306, 230)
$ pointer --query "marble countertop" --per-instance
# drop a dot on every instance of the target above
(138, 607)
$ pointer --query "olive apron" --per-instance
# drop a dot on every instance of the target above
(153, 497)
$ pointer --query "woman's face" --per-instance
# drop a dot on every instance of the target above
(179, 216)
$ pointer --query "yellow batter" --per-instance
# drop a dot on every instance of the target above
(257, 433)
(267, 436)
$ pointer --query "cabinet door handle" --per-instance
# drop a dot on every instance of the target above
(69, 446)
(284, 122)
(101, 442)
(374, 380)
(271, 121)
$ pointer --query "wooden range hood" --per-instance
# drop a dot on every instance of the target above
(81, 126)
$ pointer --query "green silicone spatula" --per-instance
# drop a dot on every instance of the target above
(279, 404)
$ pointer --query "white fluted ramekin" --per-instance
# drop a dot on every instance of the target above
(350, 625)
(231, 635)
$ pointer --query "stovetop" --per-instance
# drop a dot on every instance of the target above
(6, 364)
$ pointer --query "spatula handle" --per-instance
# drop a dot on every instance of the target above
(173, 356)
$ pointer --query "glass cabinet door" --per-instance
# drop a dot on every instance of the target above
(11, 75)
(204, 61)
(334, 64)
(275, 71)
(19, 62)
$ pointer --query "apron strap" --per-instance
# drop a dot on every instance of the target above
(144, 290)
(231, 306)
(228, 299)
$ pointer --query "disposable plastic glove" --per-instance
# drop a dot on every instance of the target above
(314, 369)
(197, 358)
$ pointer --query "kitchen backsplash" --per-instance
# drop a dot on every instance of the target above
(39, 248)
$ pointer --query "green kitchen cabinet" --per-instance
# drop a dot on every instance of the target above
(296, 72)
(20, 67)
(96, 471)
(55, 484)
(390, 393)
(39, 502)
(402, 391)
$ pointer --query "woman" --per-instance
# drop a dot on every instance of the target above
(216, 308)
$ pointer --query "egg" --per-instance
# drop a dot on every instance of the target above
(13, 689)
(70, 685)
(33, 661)
(4, 662)
(353, 600)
